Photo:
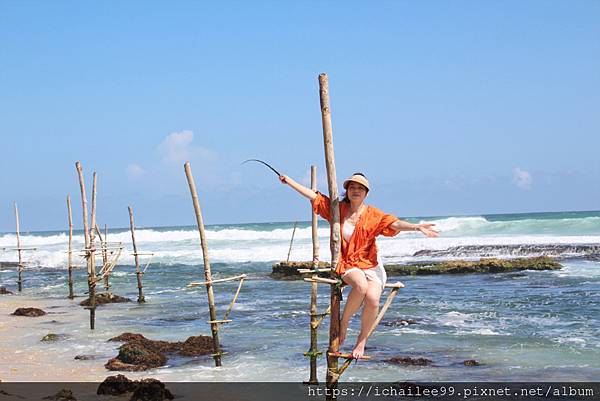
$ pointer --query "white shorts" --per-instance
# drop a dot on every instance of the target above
(376, 273)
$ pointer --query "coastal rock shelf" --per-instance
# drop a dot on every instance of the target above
(289, 270)
(483, 265)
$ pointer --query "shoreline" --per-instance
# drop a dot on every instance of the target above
(25, 358)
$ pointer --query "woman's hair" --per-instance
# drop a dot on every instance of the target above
(345, 196)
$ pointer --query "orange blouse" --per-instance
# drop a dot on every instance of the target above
(361, 250)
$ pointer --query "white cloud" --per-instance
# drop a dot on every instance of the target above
(177, 148)
(135, 171)
(522, 178)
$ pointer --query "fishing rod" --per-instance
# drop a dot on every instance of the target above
(265, 163)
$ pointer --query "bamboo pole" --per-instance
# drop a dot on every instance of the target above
(207, 274)
(91, 268)
(20, 265)
(335, 243)
(138, 271)
(292, 241)
(70, 253)
(93, 256)
(104, 244)
(313, 289)
(315, 223)
(104, 248)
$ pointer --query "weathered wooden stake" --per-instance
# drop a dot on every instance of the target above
(89, 250)
(335, 243)
(70, 253)
(138, 271)
(292, 240)
(314, 323)
(104, 248)
(20, 265)
(214, 326)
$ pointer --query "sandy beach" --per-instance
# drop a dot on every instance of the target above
(24, 357)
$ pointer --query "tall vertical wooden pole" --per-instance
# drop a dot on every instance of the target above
(91, 268)
(20, 265)
(335, 243)
(93, 256)
(313, 290)
(315, 223)
(70, 253)
(207, 274)
(138, 271)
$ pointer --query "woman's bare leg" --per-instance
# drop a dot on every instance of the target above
(368, 316)
(358, 281)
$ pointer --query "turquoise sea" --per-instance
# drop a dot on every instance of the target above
(519, 326)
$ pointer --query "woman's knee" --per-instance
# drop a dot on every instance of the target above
(372, 298)
(361, 287)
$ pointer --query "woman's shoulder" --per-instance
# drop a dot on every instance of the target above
(373, 211)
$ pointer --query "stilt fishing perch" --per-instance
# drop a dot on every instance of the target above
(266, 164)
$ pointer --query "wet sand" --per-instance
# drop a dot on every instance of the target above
(24, 357)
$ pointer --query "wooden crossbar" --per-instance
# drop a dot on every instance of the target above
(223, 321)
(347, 356)
(308, 271)
(221, 280)
(321, 280)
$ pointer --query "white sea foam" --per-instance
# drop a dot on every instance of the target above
(244, 244)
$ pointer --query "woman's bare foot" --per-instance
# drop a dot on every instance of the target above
(359, 350)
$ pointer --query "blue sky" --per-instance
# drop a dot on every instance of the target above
(449, 107)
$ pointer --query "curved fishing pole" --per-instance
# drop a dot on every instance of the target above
(265, 163)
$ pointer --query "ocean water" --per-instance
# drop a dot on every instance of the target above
(519, 326)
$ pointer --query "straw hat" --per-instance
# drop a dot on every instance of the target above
(358, 178)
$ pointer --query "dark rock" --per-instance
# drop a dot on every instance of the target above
(62, 395)
(105, 298)
(289, 270)
(399, 322)
(9, 264)
(194, 346)
(4, 291)
(471, 362)
(31, 312)
(85, 357)
(407, 360)
(151, 390)
(141, 353)
(51, 337)
(135, 357)
(116, 385)
(143, 390)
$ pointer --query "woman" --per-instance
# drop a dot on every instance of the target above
(359, 265)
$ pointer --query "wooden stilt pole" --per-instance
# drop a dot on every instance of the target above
(335, 243)
(70, 253)
(20, 265)
(104, 248)
(292, 240)
(89, 249)
(93, 256)
(138, 271)
(207, 274)
(314, 324)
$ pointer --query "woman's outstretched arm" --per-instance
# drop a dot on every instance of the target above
(425, 228)
(302, 190)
